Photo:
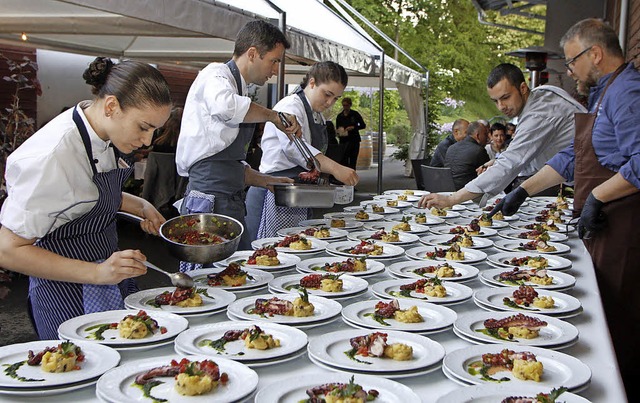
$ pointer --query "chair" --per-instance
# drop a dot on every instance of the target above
(437, 179)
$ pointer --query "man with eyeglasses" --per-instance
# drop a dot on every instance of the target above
(604, 162)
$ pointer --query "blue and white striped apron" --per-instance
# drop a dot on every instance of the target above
(91, 237)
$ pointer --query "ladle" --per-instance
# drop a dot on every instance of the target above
(178, 279)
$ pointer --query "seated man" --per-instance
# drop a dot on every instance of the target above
(465, 156)
(457, 133)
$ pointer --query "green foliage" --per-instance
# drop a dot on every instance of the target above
(402, 153)
(399, 134)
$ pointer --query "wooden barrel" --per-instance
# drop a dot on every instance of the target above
(366, 152)
(374, 141)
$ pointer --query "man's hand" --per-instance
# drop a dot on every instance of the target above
(288, 124)
(510, 204)
(592, 218)
(435, 200)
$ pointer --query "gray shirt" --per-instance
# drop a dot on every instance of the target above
(546, 125)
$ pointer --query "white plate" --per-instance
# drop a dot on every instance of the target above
(406, 269)
(352, 217)
(444, 230)
(330, 348)
(478, 243)
(76, 328)
(492, 298)
(98, 359)
(350, 286)
(559, 369)
(450, 214)
(497, 224)
(557, 332)
(317, 246)
(313, 266)
(348, 224)
(334, 233)
(213, 301)
(561, 281)
(411, 198)
(341, 249)
(287, 261)
(369, 209)
(436, 318)
(388, 226)
(324, 310)
(513, 234)
(512, 245)
(562, 228)
(411, 218)
(496, 393)
(416, 192)
(406, 238)
(193, 341)
(456, 293)
(555, 262)
(293, 390)
(117, 384)
(259, 278)
(401, 203)
(470, 255)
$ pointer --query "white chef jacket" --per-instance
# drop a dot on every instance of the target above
(49, 178)
(278, 152)
(212, 114)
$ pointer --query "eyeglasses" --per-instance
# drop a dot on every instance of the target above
(571, 61)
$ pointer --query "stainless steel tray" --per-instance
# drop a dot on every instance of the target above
(301, 195)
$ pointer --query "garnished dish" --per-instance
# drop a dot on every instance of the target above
(362, 215)
(191, 302)
(453, 253)
(522, 365)
(420, 218)
(300, 307)
(485, 221)
(194, 236)
(324, 282)
(403, 225)
(383, 236)
(526, 297)
(550, 215)
(368, 248)
(350, 265)
(539, 245)
(547, 225)
(440, 212)
(429, 286)
(295, 242)
(461, 240)
(443, 270)
(392, 203)
(254, 338)
(132, 326)
(537, 262)
(513, 327)
(550, 397)
(267, 256)
(337, 223)
(375, 345)
(340, 392)
(520, 276)
(64, 357)
(231, 276)
(391, 310)
(182, 296)
(473, 228)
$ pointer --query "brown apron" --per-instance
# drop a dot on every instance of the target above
(615, 251)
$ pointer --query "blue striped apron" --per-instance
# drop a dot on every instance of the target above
(92, 237)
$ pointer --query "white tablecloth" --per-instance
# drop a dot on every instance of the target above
(593, 348)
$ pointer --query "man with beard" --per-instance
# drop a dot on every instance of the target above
(544, 128)
(604, 162)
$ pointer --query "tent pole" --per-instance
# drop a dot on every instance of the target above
(380, 123)
(282, 24)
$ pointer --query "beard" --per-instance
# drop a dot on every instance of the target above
(584, 86)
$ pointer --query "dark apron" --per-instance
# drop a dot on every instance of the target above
(92, 237)
(615, 251)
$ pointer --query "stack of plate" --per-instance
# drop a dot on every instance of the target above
(83, 328)
(351, 286)
(557, 335)
(213, 301)
(436, 318)
(498, 393)
(293, 343)
(335, 234)
(558, 369)
(349, 225)
(406, 269)
(554, 262)
(256, 279)
(561, 281)
(470, 255)
(98, 360)
(456, 293)
(287, 262)
(317, 246)
(405, 238)
(325, 311)
(118, 384)
(343, 249)
(328, 351)
(492, 299)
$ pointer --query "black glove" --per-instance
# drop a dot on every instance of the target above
(592, 218)
(510, 204)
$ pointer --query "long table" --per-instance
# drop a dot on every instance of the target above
(593, 348)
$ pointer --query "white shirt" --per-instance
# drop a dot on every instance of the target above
(212, 114)
(49, 177)
(546, 125)
(278, 152)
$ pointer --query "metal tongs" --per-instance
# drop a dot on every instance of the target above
(312, 161)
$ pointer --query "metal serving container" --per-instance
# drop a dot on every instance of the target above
(302, 195)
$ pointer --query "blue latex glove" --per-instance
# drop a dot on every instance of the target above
(592, 218)
(510, 204)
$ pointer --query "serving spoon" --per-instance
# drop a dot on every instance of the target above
(178, 279)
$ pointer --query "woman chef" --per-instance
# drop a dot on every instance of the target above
(64, 189)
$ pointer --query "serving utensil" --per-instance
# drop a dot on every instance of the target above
(178, 279)
(312, 161)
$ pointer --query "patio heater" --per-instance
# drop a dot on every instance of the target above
(535, 60)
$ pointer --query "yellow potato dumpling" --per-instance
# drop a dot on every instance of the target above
(362, 215)
(454, 255)
(467, 241)
(331, 285)
(438, 212)
(302, 244)
(267, 260)
(403, 226)
(193, 385)
(338, 399)
(130, 328)
(523, 332)
(57, 362)
(337, 223)
(393, 236)
(302, 308)
(402, 197)
(398, 352)
(235, 281)
(420, 218)
(546, 280)
(544, 302)
(410, 315)
(445, 271)
(409, 192)
(438, 291)
(498, 216)
(261, 342)
(360, 265)
(196, 300)
(527, 370)
(392, 203)
(322, 233)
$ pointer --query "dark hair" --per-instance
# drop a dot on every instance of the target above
(594, 31)
(498, 126)
(133, 83)
(511, 72)
(510, 126)
(324, 72)
(474, 127)
(168, 134)
(347, 100)
(260, 34)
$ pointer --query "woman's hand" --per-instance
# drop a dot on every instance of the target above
(152, 219)
(346, 175)
(435, 200)
(120, 266)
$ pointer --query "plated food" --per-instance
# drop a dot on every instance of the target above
(453, 253)
(529, 260)
(323, 231)
(378, 250)
(415, 217)
(403, 225)
(247, 259)
(426, 289)
(337, 223)
(361, 216)
(522, 234)
(463, 229)
(326, 285)
(463, 240)
(526, 299)
(393, 237)
(428, 268)
(201, 302)
(539, 245)
(506, 393)
(537, 278)
(255, 279)
(361, 266)
(295, 244)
